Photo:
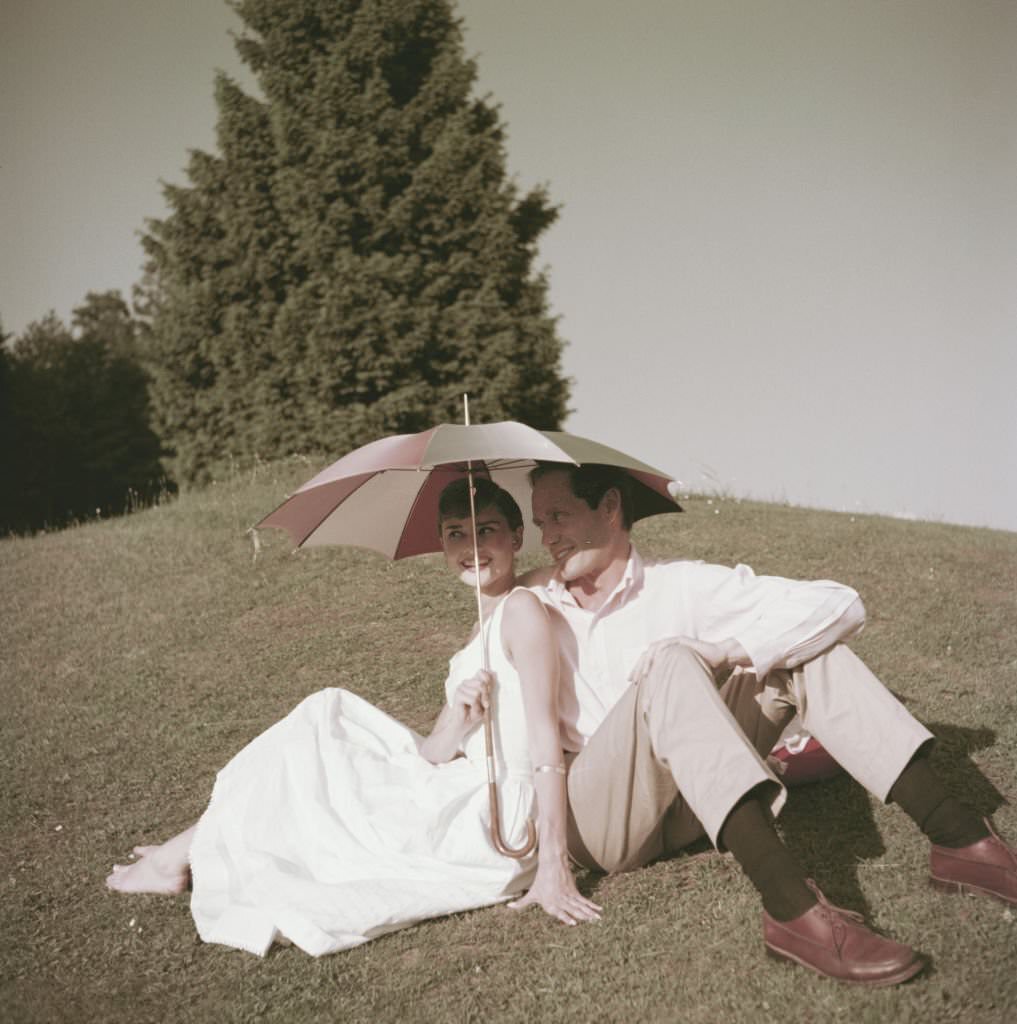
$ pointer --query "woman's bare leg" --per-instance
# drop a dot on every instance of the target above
(161, 869)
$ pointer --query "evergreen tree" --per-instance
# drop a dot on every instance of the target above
(74, 425)
(354, 257)
(8, 423)
(42, 456)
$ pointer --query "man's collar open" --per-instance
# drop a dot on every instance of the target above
(632, 578)
(634, 568)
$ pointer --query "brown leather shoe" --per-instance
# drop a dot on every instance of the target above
(986, 868)
(835, 943)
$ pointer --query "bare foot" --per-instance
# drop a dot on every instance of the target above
(162, 869)
(146, 875)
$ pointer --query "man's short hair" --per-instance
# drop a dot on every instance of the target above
(591, 482)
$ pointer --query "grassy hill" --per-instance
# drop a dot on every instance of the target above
(139, 654)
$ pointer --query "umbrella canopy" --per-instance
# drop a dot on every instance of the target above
(384, 495)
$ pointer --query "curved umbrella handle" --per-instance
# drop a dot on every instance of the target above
(492, 785)
(492, 793)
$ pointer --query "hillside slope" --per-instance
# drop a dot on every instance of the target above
(139, 654)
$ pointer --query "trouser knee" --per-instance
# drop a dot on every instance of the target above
(671, 661)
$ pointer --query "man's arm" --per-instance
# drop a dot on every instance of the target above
(769, 622)
(831, 624)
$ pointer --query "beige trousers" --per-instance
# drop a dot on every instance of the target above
(675, 754)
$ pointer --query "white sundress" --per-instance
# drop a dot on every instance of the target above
(330, 829)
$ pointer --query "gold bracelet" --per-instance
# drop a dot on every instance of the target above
(558, 769)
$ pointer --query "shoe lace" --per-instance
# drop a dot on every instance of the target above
(834, 914)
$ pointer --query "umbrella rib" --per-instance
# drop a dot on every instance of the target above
(317, 525)
(408, 518)
(509, 463)
(489, 463)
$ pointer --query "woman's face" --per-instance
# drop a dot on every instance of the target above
(497, 545)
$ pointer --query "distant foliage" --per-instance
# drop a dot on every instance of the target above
(74, 432)
(354, 256)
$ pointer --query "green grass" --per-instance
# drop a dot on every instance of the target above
(139, 654)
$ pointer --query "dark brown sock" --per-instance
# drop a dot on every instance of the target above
(749, 834)
(944, 820)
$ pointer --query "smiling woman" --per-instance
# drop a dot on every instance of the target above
(340, 824)
(499, 530)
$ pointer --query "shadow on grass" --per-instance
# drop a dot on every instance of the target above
(952, 761)
(830, 827)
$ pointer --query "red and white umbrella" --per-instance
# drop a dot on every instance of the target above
(384, 496)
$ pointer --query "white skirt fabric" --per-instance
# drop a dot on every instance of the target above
(330, 829)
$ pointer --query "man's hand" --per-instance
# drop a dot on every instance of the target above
(555, 890)
(727, 654)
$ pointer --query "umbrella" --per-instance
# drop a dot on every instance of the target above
(384, 496)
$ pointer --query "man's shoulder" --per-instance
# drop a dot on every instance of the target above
(700, 574)
(667, 568)
(672, 575)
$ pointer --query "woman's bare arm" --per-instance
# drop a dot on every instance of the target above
(530, 645)
(458, 718)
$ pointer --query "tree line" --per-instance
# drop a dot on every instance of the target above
(75, 434)
(349, 260)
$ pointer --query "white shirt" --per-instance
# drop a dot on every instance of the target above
(780, 623)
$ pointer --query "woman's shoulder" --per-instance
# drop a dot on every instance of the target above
(522, 601)
(525, 626)
(523, 613)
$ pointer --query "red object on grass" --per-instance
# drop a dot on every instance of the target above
(801, 759)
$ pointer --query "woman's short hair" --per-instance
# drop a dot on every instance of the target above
(454, 501)
(591, 482)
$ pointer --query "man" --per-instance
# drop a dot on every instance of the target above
(662, 756)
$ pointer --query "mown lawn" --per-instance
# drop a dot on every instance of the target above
(139, 654)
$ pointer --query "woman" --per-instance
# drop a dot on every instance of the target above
(339, 824)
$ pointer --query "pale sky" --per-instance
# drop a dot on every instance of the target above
(786, 264)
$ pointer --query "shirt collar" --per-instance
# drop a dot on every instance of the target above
(631, 581)
(632, 578)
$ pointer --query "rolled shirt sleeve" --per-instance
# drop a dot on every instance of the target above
(780, 622)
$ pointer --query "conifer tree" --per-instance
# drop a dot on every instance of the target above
(354, 257)
(74, 418)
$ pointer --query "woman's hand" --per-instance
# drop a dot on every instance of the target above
(555, 890)
(472, 698)
(457, 718)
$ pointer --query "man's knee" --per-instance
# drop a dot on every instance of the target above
(670, 661)
(837, 658)
(836, 668)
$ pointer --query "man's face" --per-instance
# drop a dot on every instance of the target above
(580, 539)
